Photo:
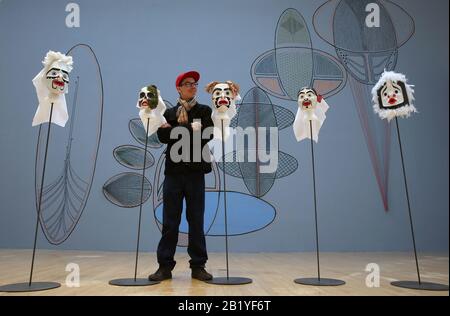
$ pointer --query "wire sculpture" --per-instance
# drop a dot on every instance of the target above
(256, 110)
(366, 52)
(65, 197)
(294, 63)
(124, 189)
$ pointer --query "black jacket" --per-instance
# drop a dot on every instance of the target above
(199, 111)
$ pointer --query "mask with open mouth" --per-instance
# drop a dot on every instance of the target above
(223, 96)
(57, 78)
(311, 107)
(393, 96)
(52, 84)
(308, 100)
(148, 97)
(152, 108)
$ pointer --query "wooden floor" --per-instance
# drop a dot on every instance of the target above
(272, 273)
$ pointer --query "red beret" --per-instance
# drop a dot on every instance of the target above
(189, 74)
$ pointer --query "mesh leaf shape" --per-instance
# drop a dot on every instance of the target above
(133, 157)
(124, 189)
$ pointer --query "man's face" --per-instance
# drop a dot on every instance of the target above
(57, 79)
(148, 97)
(188, 88)
(307, 99)
(392, 95)
(222, 97)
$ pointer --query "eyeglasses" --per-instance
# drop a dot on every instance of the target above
(190, 84)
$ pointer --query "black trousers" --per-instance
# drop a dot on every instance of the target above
(191, 187)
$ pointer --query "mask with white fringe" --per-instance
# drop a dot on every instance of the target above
(392, 96)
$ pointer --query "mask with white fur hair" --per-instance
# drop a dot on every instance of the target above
(392, 96)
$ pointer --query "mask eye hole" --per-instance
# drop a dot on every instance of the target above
(385, 94)
(142, 95)
(217, 93)
(150, 95)
(396, 91)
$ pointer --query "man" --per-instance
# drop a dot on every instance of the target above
(184, 180)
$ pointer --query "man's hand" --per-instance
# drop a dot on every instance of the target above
(196, 126)
(165, 125)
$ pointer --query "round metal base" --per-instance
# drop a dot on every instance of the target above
(26, 287)
(229, 281)
(132, 282)
(319, 282)
(427, 286)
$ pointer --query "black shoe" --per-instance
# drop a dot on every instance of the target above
(160, 275)
(201, 274)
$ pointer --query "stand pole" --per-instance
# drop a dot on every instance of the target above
(227, 280)
(40, 196)
(225, 200)
(407, 199)
(140, 206)
(36, 286)
(316, 281)
(315, 202)
(135, 281)
(417, 285)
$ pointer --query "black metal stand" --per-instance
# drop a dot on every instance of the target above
(31, 286)
(416, 285)
(227, 280)
(317, 281)
(135, 281)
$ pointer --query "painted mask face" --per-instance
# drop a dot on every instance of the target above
(392, 95)
(222, 97)
(307, 99)
(57, 79)
(148, 97)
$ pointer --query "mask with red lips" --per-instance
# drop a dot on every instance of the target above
(148, 97)
(392, 96)
(57, 78)
(222, 97)
(308, 99)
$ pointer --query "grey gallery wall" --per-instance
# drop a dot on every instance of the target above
(269, 48)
